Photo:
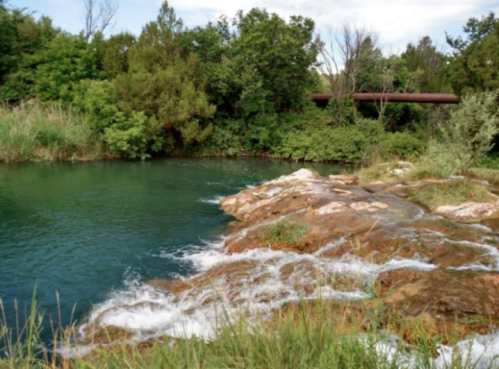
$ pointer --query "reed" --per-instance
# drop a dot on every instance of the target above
(45, 132)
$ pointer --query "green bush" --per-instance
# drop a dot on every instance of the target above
(402, 145)
(133, 138)
(345, 144)
(372, 129)
(225, 138)
(490, 161)
(342, 111)
(260, 133)
(436, 162)
(99, 100)
(469, 132)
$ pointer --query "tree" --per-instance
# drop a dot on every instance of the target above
(98, 16)
(52, 72)
(428, 66)
(115, 54)
(475, 66)
(476, 29)
(344, 55)
(165, 86)
(21, 36)
(264, 71)
(272, 58)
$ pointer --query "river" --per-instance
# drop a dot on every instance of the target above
(85, 230)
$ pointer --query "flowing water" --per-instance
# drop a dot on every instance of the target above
(87, 231)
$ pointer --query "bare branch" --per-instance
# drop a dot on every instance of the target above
(99, 16)
(344, 55)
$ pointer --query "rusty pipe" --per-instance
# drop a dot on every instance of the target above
(424, 98)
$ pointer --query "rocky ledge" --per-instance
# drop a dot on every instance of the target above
(302, 236)
(429, 263)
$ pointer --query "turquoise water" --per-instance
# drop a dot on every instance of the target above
(84, 230)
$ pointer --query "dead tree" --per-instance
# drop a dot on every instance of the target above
(343, 55)
(99, 16)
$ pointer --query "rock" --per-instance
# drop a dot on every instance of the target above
(440, 291)
(303, 175)
(332, 207)
(401, 168)
(469, 210)
(368, 206)
(343, 179)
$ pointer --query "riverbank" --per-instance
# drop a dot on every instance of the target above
(314, 261)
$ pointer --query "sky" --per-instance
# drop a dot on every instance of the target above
(397, 22)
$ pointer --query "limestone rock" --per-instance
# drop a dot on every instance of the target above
(469, 210)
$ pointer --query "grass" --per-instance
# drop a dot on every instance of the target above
(384, 172)
(317, 334)
(286, 232)
(305, 336)
(453, 192)
(484, 174)
(491, 161)
(311, 335)
(38, 131)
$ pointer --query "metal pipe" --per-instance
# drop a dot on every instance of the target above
(395, 97)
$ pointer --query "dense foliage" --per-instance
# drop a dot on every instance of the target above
(238, 86)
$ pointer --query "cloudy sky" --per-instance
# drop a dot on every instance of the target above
(396, 21)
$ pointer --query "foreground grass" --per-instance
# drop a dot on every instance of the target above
(306, 335)
(37, 131)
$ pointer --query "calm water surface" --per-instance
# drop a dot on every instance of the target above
(83, 230)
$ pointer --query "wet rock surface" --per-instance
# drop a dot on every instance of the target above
(363, 243)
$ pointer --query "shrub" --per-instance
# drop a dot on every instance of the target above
(260, 131)
(470, 129)
(436, 162)
(372, 129)
(345, 144)
(225, 138)
(99, 100)
(402, 145)
(374, 132)
(132, 137)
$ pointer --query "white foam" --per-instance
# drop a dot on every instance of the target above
(147, 313)
(211, 200)
(479, 352)
(275, 278)
(487, 249)
(331, 245)
(70, 351)
(271, 192)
